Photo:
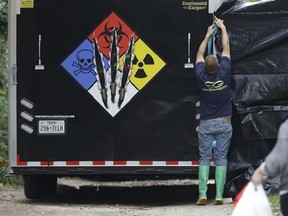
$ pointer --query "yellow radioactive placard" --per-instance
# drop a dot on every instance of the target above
(146, 65)
(27, 3)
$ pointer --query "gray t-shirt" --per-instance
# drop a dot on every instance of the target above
(276, 162)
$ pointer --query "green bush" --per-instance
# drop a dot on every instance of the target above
(3, 137)
(3, 64)
(5, 177)
(3, 43)
(3, 18)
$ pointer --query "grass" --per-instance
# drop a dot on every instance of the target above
(274, 200)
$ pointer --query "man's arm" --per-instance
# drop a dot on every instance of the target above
(225, 38)
(276, 159)
(203, 45)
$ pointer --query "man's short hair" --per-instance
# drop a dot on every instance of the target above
(211, 64)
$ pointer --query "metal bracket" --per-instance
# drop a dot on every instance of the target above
(14, 74)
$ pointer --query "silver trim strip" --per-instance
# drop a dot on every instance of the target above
(13, 7)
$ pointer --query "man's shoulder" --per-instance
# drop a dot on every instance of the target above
(284, 125)
(199, 64)
(225, 58)
(199, 67)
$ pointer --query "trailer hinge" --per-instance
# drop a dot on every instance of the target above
(14, 74)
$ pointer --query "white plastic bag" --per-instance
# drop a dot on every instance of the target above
(254, 202)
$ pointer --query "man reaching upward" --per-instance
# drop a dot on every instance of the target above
(214, 81)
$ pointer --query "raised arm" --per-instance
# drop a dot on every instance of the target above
(225, 38)
(203, 45)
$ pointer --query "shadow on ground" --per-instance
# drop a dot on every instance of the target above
(138, 196)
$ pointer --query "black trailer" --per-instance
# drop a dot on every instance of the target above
(107, 87)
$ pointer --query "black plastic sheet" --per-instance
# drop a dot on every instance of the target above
(258, 34)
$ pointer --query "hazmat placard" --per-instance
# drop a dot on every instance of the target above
(27, 3)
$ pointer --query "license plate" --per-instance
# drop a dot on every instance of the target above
(51, 127)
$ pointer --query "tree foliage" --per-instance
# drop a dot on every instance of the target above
(3, 43)
(3, 18)
(3, 64)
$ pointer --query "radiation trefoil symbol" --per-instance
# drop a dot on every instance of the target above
(113, 64)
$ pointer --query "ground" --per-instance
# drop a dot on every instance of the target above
(84, 197)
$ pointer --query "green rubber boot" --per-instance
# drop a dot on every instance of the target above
(220, 178)
(203, 175)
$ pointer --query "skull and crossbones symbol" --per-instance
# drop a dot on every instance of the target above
(85, 62)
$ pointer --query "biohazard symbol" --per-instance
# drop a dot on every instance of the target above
(106, 35)
(148, 60)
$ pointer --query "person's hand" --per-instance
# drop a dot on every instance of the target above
(257, 177)
(219, 22)
(210, 30)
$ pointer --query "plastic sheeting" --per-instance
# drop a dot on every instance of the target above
(258, 35)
